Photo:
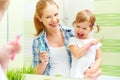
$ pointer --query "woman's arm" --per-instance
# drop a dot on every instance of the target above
(40, 69)
(40, 59)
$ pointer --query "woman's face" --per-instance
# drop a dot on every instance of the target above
(50, 17)
(1, 15)
(82, 30)
(3, 6)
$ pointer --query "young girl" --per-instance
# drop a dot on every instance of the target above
(84, 24)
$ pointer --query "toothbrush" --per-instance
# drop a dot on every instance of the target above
(42, 47)
(98, 39)
(17, 39)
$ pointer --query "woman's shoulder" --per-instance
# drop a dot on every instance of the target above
(36, 40)
(39, 36)
(67, 28)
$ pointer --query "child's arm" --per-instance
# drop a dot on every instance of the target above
(79, 52)
(98, 60)
(95, 68)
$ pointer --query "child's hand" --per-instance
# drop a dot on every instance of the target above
(44, 57)
(94, 42)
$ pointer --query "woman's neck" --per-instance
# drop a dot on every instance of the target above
(55, 38)
(54, 33)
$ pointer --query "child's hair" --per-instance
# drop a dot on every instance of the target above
(41, 5)
(86, 15)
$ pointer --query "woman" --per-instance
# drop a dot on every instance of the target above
(50, 53)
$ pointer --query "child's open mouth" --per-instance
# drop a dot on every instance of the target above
(80, 35)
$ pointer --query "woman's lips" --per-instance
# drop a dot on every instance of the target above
(53, 25)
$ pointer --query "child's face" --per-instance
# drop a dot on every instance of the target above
(82, 30)
(50, 17)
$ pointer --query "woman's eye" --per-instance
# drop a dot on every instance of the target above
(48, 17)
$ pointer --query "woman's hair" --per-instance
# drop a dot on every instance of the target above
(86, 15)
(40, 6)
(4, 5)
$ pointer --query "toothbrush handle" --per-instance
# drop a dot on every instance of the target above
(13, 53)
(16, 43)
(12, 57)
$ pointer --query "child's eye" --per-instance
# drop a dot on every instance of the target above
(84, 28)
(56, 14)
(78, 26)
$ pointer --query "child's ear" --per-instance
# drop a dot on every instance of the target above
(92, 28)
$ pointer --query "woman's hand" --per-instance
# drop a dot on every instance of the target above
(92, 74)
(44, 57)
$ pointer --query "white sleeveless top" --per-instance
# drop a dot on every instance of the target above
(59, 62)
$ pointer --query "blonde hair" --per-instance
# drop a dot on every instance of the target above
(40, 6)
(86, 15)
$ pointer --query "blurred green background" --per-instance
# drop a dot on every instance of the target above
(108, 18)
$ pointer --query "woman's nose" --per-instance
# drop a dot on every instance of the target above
(54, 19)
